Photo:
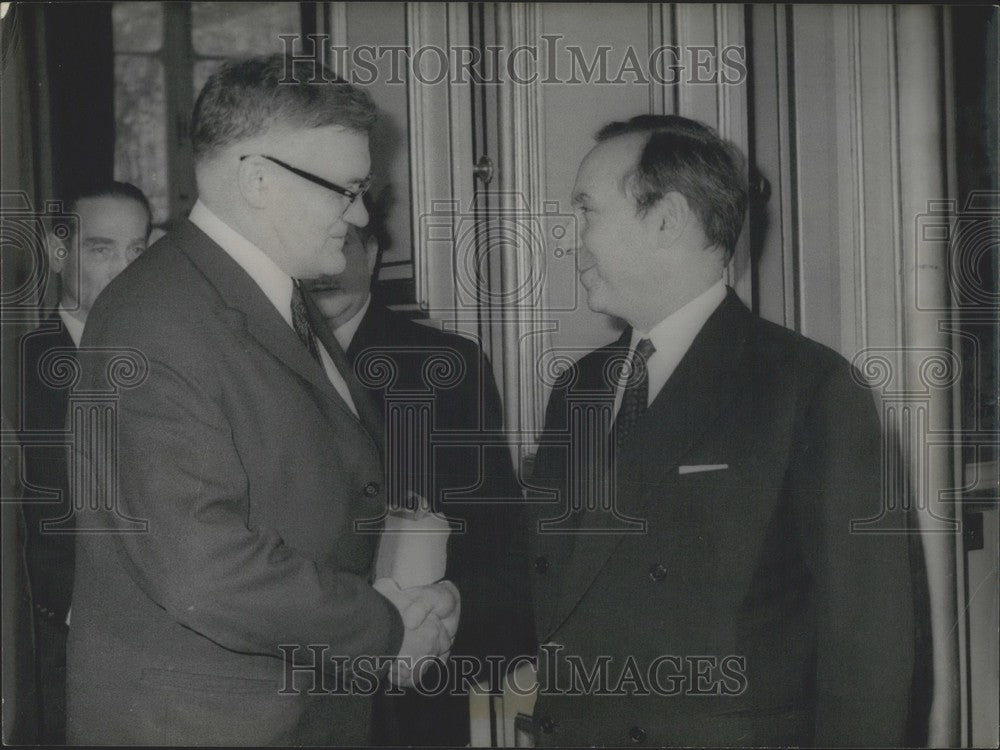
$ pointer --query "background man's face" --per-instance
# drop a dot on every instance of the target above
(113, 233)
(620, 261)
(307, 223)
(341, 296)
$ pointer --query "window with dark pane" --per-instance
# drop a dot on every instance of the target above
(164, 53)
(140, 105)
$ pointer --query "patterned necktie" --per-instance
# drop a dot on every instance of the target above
(301, 324)
(635, 396)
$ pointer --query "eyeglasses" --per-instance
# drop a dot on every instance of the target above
(351, 195)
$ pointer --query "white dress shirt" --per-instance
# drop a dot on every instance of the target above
(672, 338)
(275, 283)
(73, 326)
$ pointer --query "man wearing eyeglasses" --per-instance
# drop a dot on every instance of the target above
(248, 455)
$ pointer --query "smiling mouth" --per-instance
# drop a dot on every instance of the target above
(324, 286)
(324, 283)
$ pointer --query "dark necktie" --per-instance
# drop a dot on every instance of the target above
(635, 396)
(301, 324)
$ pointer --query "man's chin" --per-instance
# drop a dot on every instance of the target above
(332, 308)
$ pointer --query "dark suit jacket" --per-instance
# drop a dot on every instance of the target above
(251, 472)
(472, 485)
(46, 497)
(754, 562)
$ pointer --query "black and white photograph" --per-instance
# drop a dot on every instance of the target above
(488, 374)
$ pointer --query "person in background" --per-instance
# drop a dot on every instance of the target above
(718, 584)
(105, 227)
(487, 559)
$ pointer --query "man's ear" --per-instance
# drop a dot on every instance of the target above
(253, 182)
(371, 254)
(672, 214)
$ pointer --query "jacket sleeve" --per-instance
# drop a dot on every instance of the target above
(862, 585)
(201, 559)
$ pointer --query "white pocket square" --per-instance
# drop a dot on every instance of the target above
(695, 468)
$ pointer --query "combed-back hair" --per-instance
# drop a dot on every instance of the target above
(106, 189)
(247, 97)
(690, 158)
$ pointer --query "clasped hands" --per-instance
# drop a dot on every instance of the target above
(430, 620)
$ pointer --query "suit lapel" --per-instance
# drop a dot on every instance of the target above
(592, 380)
(371, 333)
(367, 412)
(250, 309)
(705, 380)
(56, 333)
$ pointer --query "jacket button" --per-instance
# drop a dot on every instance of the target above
(541, 564)
(547, 725)
(657, 572)
(637, 735)
(371, 489)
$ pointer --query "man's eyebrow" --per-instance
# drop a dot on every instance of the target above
(108, 241)
(579, 198)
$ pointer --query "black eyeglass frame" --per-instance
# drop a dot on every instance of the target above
(351, 195)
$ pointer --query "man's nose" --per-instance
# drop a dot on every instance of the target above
(118, 262)
(583, 257)
(356, 213)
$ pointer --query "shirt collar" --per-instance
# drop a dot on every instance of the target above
(684, 324)
(275, 283)
(673, 336)
(73, 326)
(344, 333)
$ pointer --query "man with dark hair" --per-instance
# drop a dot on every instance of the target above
(710, 590)
(104, 227)
(472, 485)
(248, 454)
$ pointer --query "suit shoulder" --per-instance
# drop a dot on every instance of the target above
(154, 274)
(798, 364)
(783, 345)
(155, 291)
(418, 334)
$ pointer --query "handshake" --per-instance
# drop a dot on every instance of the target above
(430, 620)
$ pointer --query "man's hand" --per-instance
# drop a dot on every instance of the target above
(430, 617)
